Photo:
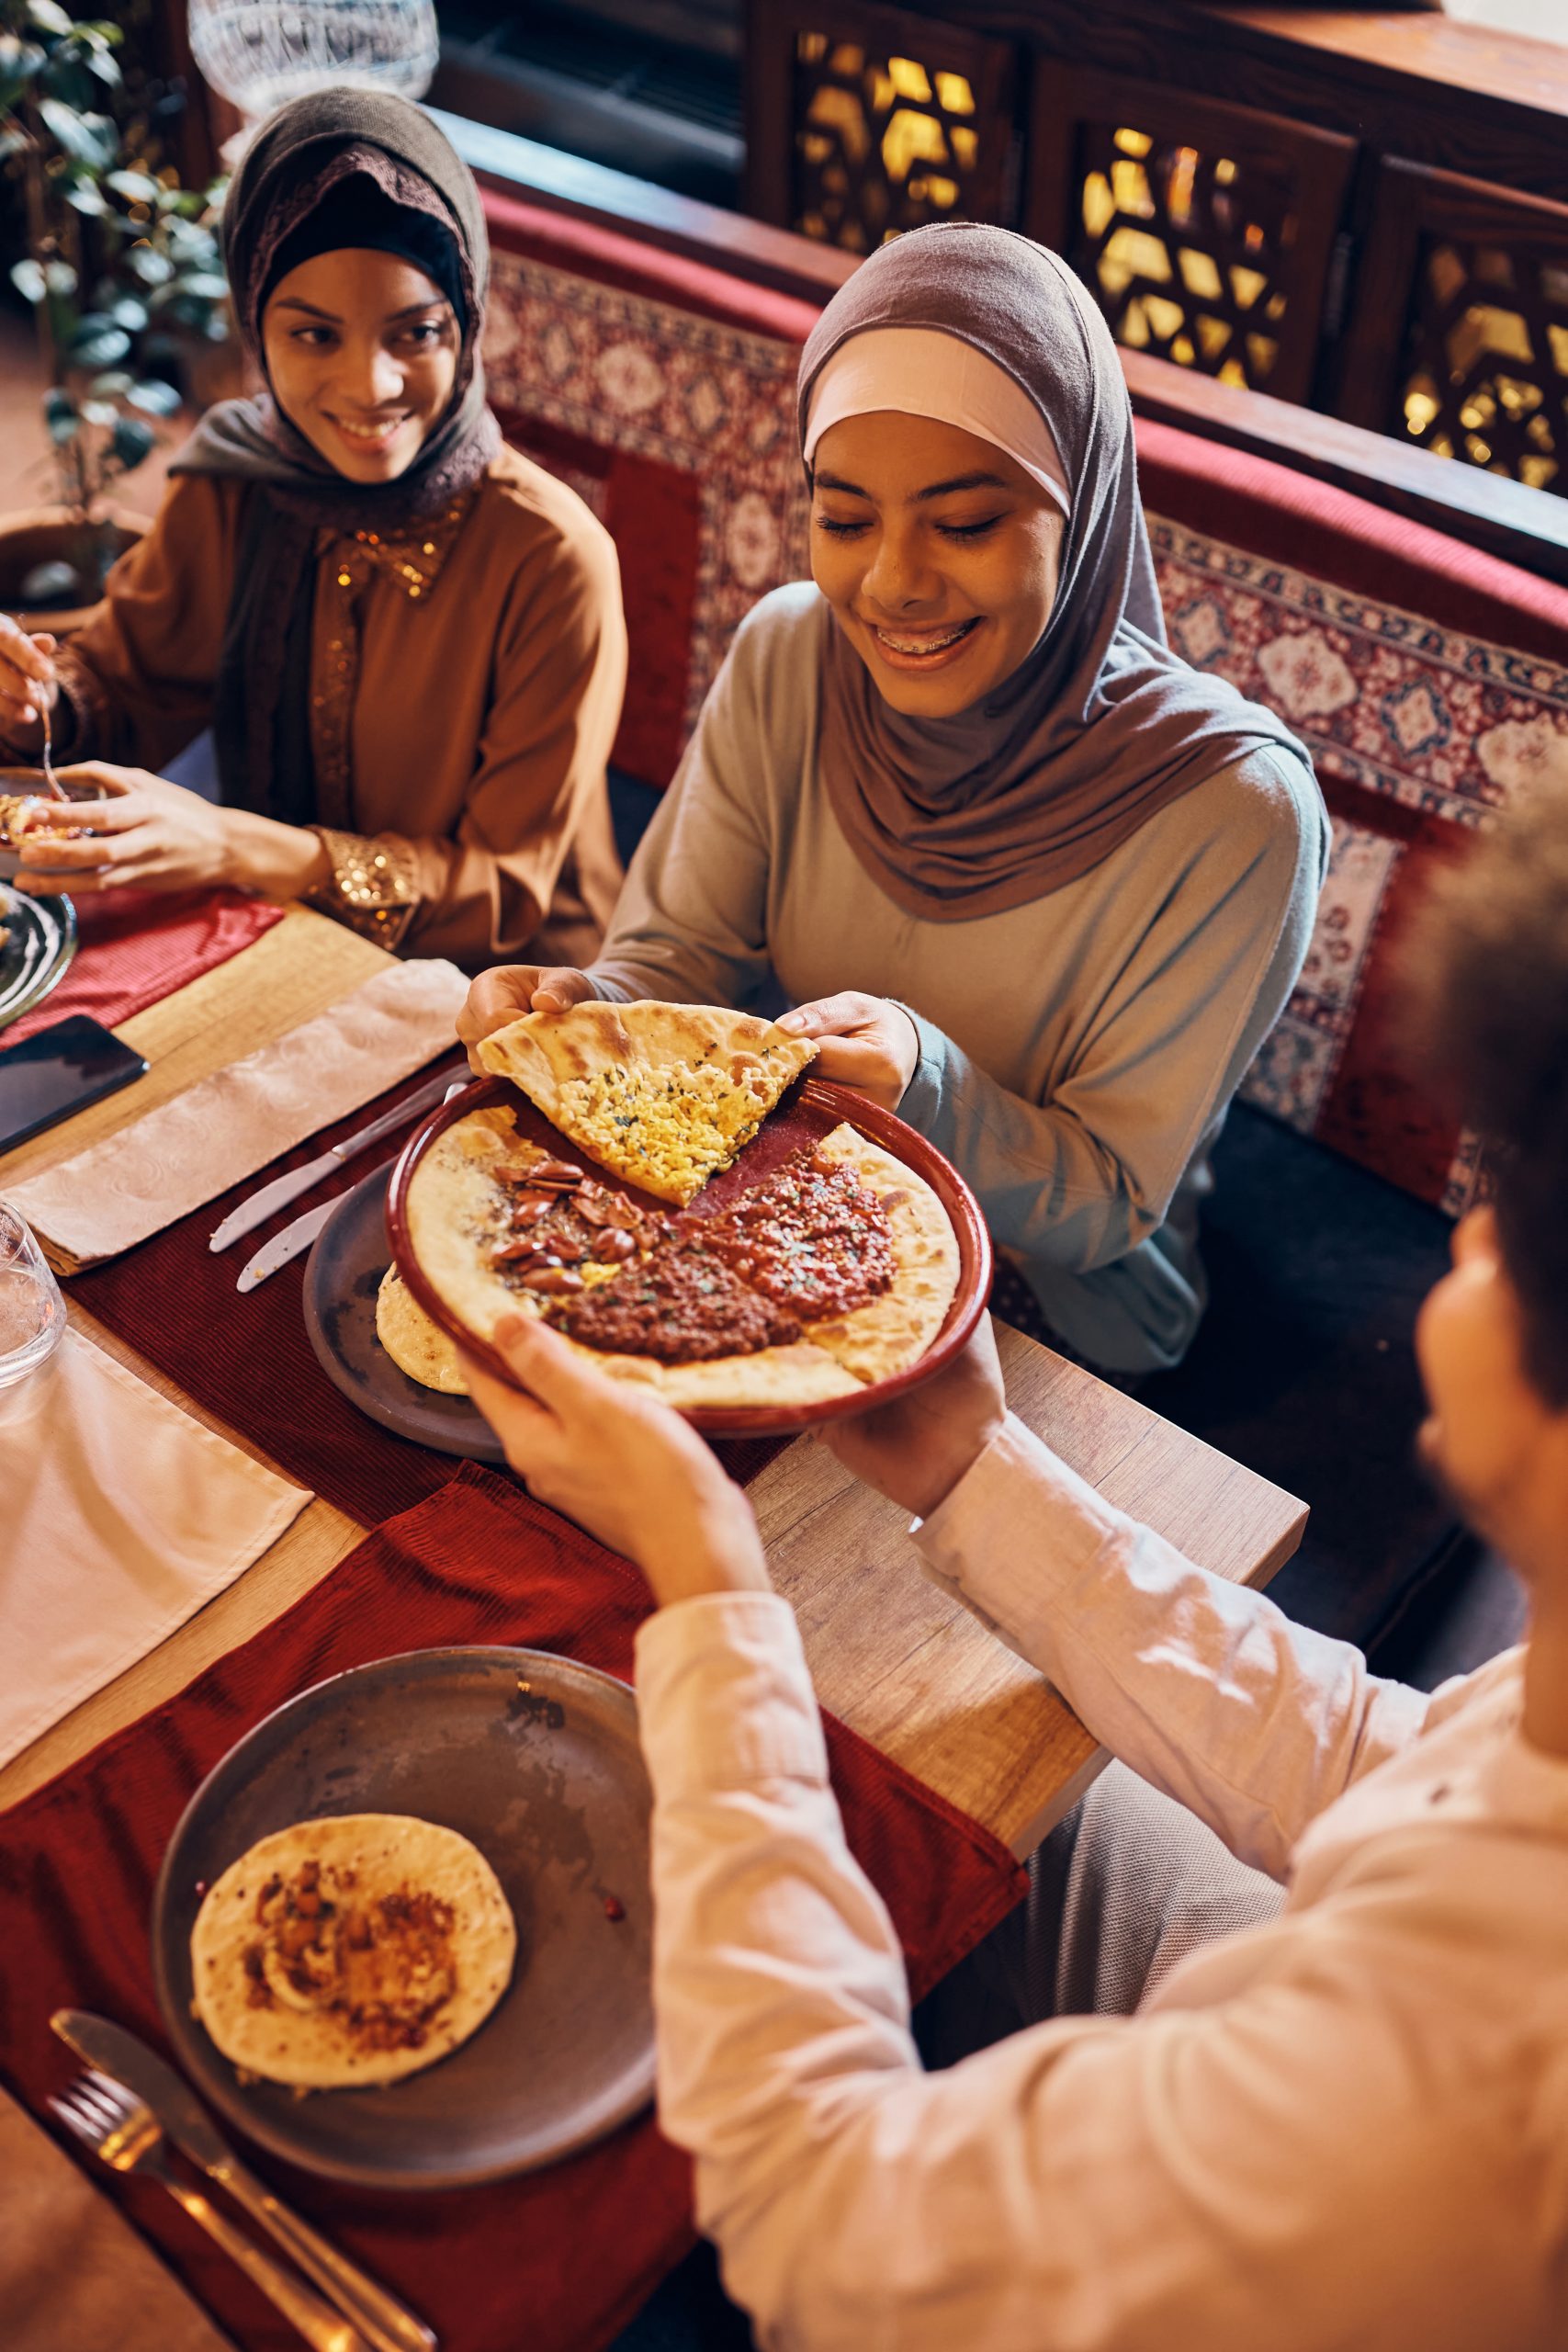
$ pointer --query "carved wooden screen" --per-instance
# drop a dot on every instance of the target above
(1205, 231)
(1459, 336)
(864, 121)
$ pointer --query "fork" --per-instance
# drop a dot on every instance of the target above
(56, 787)
(128, 2137)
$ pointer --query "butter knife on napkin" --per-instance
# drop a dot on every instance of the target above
(378, 2316)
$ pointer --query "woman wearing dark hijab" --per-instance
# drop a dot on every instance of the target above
(1029, 878)
(407, 639)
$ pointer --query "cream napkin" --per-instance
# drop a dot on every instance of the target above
(121, 1517)
(221, 1130)
(75, 2276)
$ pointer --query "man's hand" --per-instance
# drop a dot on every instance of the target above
(622, 1465)
(916, 1450)
(864, 1043)
(511, 989)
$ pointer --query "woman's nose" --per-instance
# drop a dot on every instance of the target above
(372, 376)
(900, 573)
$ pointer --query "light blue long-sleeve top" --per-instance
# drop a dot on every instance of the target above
(1078, 1053)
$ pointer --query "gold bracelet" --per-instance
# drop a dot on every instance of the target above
(373, 887)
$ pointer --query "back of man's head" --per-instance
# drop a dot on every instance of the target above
(1488, 983)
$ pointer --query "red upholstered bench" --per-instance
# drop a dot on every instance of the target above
(1426, 676)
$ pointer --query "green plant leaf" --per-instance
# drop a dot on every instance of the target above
(19, 61)
(60, 279)
(59, 415)
(49, 18)
(104, 29)
(128, 314)
(99, 412)
(191, 246)
(154, 399)
(137, 188)
(131, 442)
(90, 139)
(12, 141)
(150, 265)
(114, 386)
(204, 285)
(68, 81)
(103, 347)
(104, 64)
(86, 197)
(29, 280)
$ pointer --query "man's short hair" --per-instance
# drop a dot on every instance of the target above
(1487, 992)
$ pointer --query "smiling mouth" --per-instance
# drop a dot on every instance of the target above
(372, 435)
(923, 646)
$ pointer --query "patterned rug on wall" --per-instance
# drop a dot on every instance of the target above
(1418, 734)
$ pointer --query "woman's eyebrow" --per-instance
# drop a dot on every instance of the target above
(292, 302)
(978, 481)
(413, 310)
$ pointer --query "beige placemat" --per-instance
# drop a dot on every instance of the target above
(120, 1516)
(217, 1133)
(75, 2276)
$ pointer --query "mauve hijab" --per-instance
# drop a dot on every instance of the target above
(337, 168)
(1102, 724)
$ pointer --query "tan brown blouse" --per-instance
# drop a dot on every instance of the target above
(466, 687)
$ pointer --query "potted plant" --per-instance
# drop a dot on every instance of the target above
(124, 273)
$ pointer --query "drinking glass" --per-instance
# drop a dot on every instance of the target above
(32, 1312)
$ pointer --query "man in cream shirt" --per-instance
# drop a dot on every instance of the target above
(1343, 2127)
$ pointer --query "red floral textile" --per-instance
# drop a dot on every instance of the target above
(137, 946)
(556, 2260)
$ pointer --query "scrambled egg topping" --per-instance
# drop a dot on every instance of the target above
(668, 1131)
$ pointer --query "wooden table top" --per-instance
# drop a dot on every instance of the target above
(892, 1655)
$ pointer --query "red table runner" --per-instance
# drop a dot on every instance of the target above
(137, 946)
(555, 2261)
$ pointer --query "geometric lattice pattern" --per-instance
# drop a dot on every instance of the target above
(1189, 253)
(1485, 375)
(882, 143)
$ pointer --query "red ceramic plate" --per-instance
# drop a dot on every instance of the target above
(811, 1109)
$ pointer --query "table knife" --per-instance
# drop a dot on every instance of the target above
(378, 2316)
(294, 1238)
(284, 1189)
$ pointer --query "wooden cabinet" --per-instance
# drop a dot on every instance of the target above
(1205, 231)
(1457, 337)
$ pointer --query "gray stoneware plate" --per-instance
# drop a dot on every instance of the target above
(342, 1275)
(547, 1780)
(37, 953)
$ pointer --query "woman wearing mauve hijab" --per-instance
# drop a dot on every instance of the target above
(1029, 878)
(407, 639)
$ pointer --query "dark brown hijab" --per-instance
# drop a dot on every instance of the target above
(1102, 725)
(354, 156)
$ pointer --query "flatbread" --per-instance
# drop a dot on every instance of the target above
(416, 1344)
(663, 1095)
(458, 1210)
(889, 1334)
(416, 1951)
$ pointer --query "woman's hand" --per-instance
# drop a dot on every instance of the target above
(867, 1043)
(151, 834)
(511, 989)
(622, 1465)
(916, 1450)
(28, 687)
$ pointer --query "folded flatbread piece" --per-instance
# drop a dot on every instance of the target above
(664, 1095)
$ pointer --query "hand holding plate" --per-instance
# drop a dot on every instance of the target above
(623, 1465)
(915, 1450)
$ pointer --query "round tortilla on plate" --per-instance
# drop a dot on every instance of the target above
(349, 1952)
(416, 1344)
